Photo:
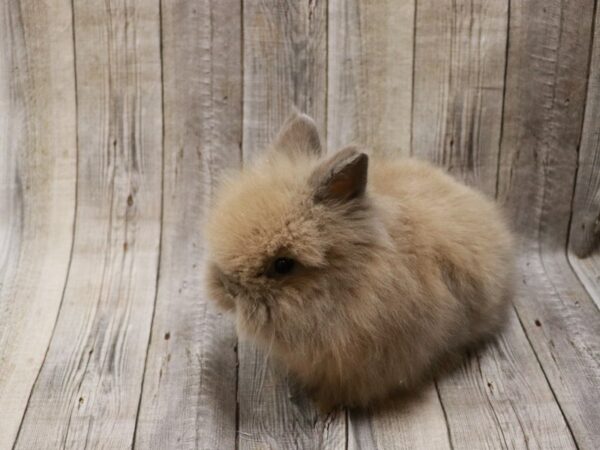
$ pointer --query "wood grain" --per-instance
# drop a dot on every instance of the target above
(88, 390)
(588, 272)
(563, 325)
(272, 415)
(417, 422)
(459, 69)
(37, 191)
(285, 60)
(370, 74)
(545, 91)
(189, 396)
(585, 226)
(502, 390)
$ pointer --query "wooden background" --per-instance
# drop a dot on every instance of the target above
(117, 117)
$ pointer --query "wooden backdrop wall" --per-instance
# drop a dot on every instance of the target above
(117, 118)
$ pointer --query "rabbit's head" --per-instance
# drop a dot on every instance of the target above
(289, 238)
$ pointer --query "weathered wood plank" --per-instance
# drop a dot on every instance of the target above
(37, 191)
(585, 226)
(588, 272)
(545, 91)
(563, 325)
(189, 395)
(460, 49)
(369, 102)
(270, 418)
(500, 399)
(285, 60)
(370, 74)
(416, 423)
(88, 390)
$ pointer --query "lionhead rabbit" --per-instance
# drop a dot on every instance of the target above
(358, 277)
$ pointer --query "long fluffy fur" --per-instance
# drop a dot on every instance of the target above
(387, 284)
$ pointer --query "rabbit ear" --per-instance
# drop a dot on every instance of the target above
(342, 177)
(298, 135)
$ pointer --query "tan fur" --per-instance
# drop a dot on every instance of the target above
(388, 282)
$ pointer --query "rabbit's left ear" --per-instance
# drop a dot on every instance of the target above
(298, 136)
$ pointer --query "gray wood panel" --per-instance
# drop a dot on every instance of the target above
(546, 81)
(189, 396)
(284, 64)
(500, 398)
(37, 191)
(370, 72)
(588, 272)
(285, 60)
(460, 58)
(416, 422)
(88, 390)
(585, 226)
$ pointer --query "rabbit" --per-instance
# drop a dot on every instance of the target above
(358, 274)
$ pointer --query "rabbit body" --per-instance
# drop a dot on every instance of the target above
(394, 266)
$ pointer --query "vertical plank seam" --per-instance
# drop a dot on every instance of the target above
(412, 81)
(241, 156)
(161, 220)
(242, 83)
(346, 426)
(62, 297)
(537, 358)
(326, 112)
(448, 432)
(506, 50)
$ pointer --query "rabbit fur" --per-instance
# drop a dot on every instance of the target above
(396, 265)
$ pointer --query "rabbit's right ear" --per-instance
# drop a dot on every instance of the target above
(298, 136)
(341, 178)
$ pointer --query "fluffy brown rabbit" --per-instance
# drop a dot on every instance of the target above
(359, 277)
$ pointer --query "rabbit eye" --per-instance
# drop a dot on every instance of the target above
(283, 266)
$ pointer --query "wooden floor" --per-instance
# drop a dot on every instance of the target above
(116, 119)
